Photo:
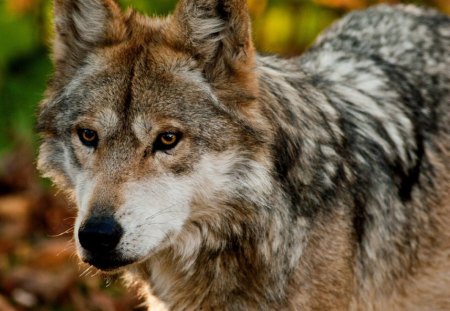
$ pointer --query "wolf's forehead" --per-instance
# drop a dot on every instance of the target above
(101, 83)
(140, 91)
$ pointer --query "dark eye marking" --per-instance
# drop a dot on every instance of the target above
(88, 137)
(166, 141)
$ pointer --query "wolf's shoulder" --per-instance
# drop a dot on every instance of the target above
(390, 21)
(411, 40)
(396, 33)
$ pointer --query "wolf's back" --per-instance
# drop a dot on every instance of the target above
(414, 38)
(413, 42)
(388, 66)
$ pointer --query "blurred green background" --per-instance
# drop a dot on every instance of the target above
(280, 26)
(38, 269)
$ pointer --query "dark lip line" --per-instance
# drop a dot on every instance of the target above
(118, 265)
(114, 265)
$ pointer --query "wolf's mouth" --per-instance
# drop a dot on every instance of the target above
(107, 262)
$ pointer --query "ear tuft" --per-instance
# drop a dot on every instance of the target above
(217, 31)
(81, 26)
(205, 30)
(218, 34)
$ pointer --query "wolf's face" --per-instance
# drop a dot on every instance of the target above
(145, 123)
(135, 154)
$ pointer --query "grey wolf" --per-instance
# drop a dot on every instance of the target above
(220, 179)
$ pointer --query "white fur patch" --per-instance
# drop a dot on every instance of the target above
(108, 119)
(360, 93)
(68, 167)
(153, 208)
(196, 77)
(84, 190)
(84, 185)
(157, 208)
(232, 174)
(141, 128)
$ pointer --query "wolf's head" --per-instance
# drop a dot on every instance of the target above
(152, 125)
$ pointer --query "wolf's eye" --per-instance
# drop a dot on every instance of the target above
(166, 141)
(89, 138)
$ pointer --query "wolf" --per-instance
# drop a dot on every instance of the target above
(221, 179)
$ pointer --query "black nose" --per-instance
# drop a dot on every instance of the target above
(100, 234)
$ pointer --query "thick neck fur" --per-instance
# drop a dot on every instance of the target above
(240, 262)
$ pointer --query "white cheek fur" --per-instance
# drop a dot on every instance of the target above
(155, 208)
(152, 209)
(84, 189)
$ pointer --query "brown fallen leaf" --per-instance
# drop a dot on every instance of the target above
(78, 302)
(101, 301)
(45, 285)
(14, 217)
(24, 298)
(54, 214)
(5, 305)
(18, 171)
(15, 207)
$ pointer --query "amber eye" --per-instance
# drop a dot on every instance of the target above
(88, 137)
(166, 141)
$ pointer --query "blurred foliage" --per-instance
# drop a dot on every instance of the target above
(30, 263)
(280, 26)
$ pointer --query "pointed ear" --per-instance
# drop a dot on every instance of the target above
(218, 34)
(81, 26)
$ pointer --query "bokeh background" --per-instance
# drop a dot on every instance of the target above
(38, 268)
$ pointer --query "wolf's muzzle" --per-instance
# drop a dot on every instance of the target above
(100, 234)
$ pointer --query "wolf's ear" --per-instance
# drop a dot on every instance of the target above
(218, 34)
(81, 26)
